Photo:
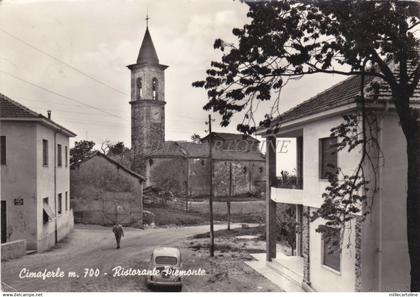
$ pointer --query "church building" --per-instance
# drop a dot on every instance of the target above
(180, 166)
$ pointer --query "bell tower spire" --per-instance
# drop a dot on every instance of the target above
(147, 103)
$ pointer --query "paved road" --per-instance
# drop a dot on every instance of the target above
(94, 247)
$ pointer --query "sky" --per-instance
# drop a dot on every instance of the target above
(46, 44)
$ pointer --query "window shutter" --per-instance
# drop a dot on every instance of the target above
(329, 156)
(3, 150)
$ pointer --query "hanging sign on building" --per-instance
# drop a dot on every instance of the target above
(18, 201)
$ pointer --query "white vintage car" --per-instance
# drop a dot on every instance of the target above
(166, 260)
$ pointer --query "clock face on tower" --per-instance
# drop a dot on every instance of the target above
(156, 114)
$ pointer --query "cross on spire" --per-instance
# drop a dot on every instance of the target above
(147, 18)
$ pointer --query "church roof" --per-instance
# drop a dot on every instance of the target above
(185, 149)
(147, 53)
(230, 136)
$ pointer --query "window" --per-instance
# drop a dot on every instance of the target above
(45, 216)
(3, 150)
(155, 87)
(66, 156)
(60, 204)
(59, 156)
(166, 260)
(328, 157)
(139, 88)
(66, 205)
(45, 152)
(203, 162)
(331, 249)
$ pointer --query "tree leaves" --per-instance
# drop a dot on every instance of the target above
(288, 39)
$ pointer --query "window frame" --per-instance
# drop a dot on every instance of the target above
(325, 265)
(59, 155)
(322, 173)
(3, 150)
(59, 203)
(66, 156)
(45, 153)
(45, 217)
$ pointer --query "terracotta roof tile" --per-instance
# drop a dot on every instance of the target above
(338, 95)
(345, 92)
(10, 109)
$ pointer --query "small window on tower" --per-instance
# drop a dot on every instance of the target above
(155, 87)
(139, 88)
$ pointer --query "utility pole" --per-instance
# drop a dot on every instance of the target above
(230, 195)
(211, 188)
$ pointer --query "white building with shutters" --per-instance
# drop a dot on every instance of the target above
(374, 252)
(35, 177)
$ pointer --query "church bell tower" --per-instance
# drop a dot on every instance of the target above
(147, 104)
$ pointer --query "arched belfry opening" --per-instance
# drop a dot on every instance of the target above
(155, 88)
(139, 83)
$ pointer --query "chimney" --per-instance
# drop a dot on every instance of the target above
(49, 114)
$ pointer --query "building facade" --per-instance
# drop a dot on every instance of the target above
(35, 177)
(374, 251)
(105, 192)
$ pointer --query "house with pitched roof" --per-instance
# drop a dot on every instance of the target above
(374, 251)
(105, 192)
(35, 177)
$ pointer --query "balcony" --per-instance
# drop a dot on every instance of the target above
(288, 181)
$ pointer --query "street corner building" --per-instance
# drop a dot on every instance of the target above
(374, 252)
(105, 192)
(35, 180)
(181, 166)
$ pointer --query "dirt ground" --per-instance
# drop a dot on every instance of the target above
(241, 211)
(227, 271)
(91, 246)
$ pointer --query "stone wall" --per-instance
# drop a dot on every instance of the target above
(358, 255)
(191, 176)
(170, 174)
(306, 246)
(147, 134)
(235, 178)
(147, 112)
(13, 249)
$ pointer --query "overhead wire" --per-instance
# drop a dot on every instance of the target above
(60, 95)
(62, 62)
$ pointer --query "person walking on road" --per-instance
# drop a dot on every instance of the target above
(118, 231)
